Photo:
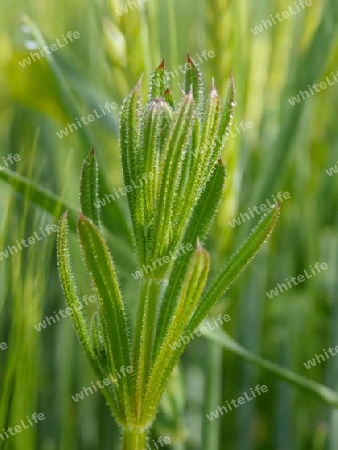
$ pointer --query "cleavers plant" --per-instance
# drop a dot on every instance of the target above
(180, 147)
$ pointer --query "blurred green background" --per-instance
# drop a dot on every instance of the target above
(287, 149)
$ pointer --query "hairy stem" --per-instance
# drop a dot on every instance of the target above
(134, 439)
(144, 339)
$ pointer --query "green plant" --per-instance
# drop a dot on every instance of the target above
(176, 152)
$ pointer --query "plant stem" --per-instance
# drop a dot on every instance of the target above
(213, 391)
(154, 288)
(134, 439)
(144, 337)
(137, 348)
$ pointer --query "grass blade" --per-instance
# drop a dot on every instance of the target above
(321, 392)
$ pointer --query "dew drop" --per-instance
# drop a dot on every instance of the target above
(25, 28)
(30, 45)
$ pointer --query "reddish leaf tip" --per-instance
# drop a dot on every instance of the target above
(161, 66)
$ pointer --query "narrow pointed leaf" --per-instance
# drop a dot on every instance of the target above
(199, 224)
(171, 170)
(158, 82)
(143, 348)
(131, 158)
(207, 205)
(227, 114)
(204, 160)
(166, 359)
(210, 125)
(72, 298)
(98, 344)
(71, 292)
(194, 79)
(89, 188)
(151, 129)
(237, 263)
(102, 272)
(190, 172)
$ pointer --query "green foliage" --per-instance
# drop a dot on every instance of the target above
(287, 148)
(184, 160)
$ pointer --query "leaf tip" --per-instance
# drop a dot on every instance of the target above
(82, 217)
(65, 215)
(190, 60)
(213, 88)
(161, 65)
